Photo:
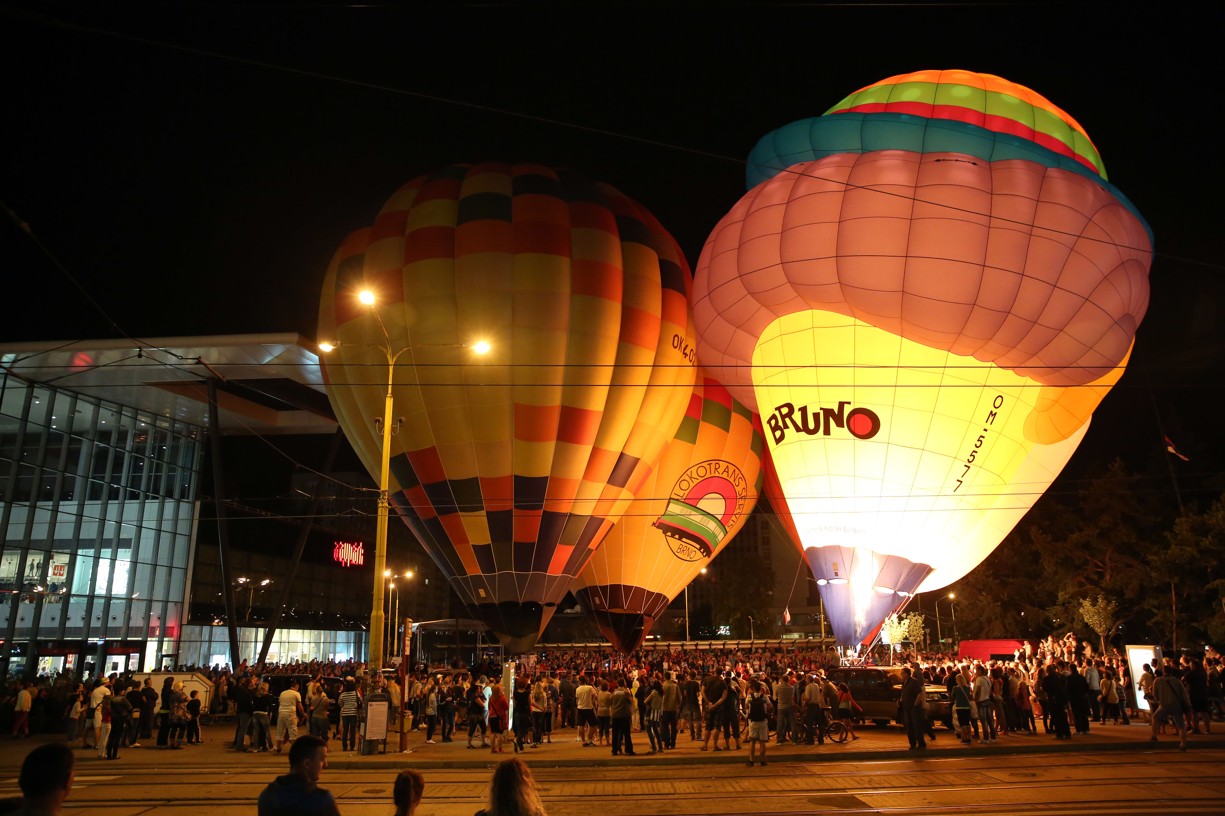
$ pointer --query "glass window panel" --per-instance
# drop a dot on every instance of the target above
(176, 584)
(100, 461)
(83, 572)
(23, 491)
(117, 617)
(41, 405)
(85, 417)
(121, 573)
(57, 572)
(8, 570)
(61, 412)
(51, 614)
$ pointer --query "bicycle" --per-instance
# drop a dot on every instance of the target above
(834, 730)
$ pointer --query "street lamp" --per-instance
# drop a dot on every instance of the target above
(939, 636)
(703, 572)
(393, 613)
(377, 617)
(751, 636)
(953, 612)
(250, 585)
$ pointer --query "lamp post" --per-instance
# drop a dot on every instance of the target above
(953, 612)
(703, 572)
(751, 636)
(377, 616)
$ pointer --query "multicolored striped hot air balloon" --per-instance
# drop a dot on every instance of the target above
(925, 295)
(696, 500)
(511, 468)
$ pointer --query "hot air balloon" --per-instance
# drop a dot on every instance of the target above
(925, 295)
(693, 504)
(511, 468)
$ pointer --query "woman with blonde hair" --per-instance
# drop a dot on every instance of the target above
(513, 791)
(178, 715)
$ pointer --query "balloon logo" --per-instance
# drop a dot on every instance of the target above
(697, 499)
(510, 470)
(706, 500)
(925, 295)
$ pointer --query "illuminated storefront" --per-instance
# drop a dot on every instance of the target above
(97, 507)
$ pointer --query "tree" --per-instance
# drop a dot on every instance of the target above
(1102, 615)
(1190, 575)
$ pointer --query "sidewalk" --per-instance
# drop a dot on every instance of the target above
(874, 743)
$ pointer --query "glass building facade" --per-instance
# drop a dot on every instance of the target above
(97, 512)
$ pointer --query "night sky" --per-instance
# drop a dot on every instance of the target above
(191, 171)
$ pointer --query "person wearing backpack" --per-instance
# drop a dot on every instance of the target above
(758, 709)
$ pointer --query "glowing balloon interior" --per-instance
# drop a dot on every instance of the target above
(925, 308)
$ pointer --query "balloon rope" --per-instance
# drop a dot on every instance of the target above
(795, 580)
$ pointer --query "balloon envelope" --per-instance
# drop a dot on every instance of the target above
(511, 467)
(695, 501)
(925, 335)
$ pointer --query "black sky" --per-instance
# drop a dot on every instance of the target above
(193, 167)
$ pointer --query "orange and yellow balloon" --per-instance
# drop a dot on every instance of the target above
(696, 500)
(925, 295)
(510, 468)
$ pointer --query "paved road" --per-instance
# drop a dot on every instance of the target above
(1114, 769)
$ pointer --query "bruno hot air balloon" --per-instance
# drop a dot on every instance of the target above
(925, 295)
(510, 468)
(693, 504)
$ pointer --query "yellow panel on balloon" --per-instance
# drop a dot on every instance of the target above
(908, 452)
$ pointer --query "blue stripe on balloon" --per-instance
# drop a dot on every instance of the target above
(817, 137)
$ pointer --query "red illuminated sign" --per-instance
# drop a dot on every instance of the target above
(349, 553)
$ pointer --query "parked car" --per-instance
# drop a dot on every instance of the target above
(879, 688)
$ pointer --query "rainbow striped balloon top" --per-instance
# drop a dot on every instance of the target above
(983, 100)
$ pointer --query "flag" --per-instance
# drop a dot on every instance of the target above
(786, 616)
(1169, 445)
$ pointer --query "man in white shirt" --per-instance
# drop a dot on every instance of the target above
(289, 709)
(100, 693)
(25, 701)
(584, 701)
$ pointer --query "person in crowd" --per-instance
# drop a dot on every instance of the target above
(289, 711)
(136, 703)
(521, 701)
(475, 697)
(121, 717)
(757, 709)
(848, 709)
(193, 718)
(512, 792)
(603, 713)
(982, 691)
(621, 709)
(101, 691)
(350, 703)
(45, 780)
(431, 711)
(163, 713)
(148, 708)
(714, 696)
(262, 704)
(540, 705)
(499, 711)
(298, 793)
(670, 711)
(407, 791)
(319, 706)
(651, 723)
(1056, 688)
(1173, 705)
(21, 709)
(914, 701)
(584, 710)
(178, 715)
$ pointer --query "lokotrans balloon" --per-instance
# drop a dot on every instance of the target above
(925, 295)
(693, 504)
(510, 468)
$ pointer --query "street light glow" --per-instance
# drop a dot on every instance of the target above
(366, 297)
(481, 347)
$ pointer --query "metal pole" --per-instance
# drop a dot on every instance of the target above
(686, 613)
(953, 612)
(939, 637)
(380, 538)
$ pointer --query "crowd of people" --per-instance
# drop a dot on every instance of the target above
(720, 698)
